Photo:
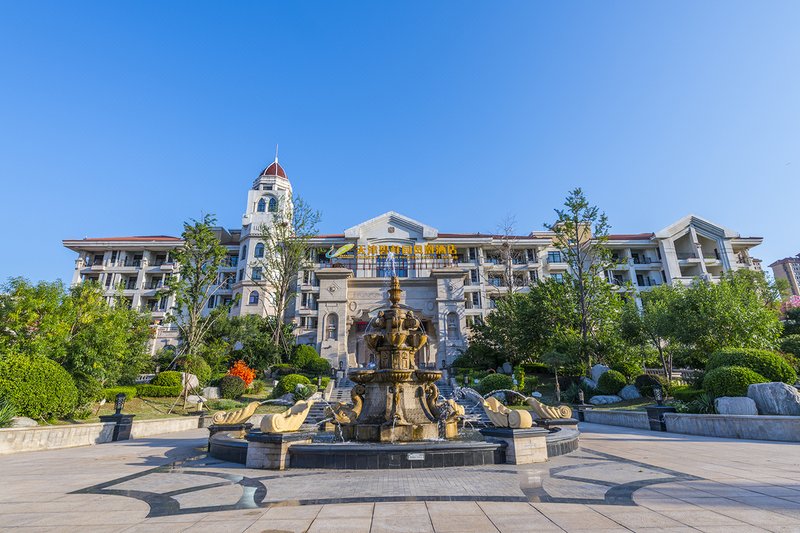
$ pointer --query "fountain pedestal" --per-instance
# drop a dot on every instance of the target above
(271, 450)
(523, 446)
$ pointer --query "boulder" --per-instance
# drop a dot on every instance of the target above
(604, 399)
(592, 384)
(212, 393)
(194, 398)
(23, 422)
(597, 371)
(739, 405)
(507, 368)
(536, 394)
(775, 398)
(629, 392)
(190, 380)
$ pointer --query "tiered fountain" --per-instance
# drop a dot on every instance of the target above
(396, 402)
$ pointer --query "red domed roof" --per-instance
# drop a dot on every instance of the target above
(274, 169)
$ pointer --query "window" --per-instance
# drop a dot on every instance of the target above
(261, 206)
(473, 275)
(554, 257)
(473, 254)
(266, 187)
(241, 274)
(534, 275)
(253, 300)
(531, 253)
(243, 255)
(558, 276)
(273, 205)
(476, 300)
(256, 274)
(211, 302)
(259, 251)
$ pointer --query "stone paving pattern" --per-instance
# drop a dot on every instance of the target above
(621, 480)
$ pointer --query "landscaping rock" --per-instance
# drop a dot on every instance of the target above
(629, 392)
(190, 380)
(23, 422)
(536, 394)
(597, 371)
(775, 398)
(738, 405)
(592, 384)
(507, 368)
(194, 398)
(212, 393)
(604, 399)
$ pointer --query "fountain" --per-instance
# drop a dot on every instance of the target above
(396, 401)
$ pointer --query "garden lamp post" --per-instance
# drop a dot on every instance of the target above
(119, 403)
(658, 395)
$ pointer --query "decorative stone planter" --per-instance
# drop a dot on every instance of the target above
(271, 450)
(523, 446)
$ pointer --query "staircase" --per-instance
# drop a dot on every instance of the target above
(316, 414)
(473, 411)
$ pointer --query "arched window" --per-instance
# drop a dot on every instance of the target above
(253, 298)
(259, 252)
(332, 327)
(273, 205)
(262, 206)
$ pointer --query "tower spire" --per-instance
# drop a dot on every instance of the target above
(276, 153)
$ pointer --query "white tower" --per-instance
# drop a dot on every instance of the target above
(271, 191)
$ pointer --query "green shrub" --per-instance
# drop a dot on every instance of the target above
(768, 364)
(324, 383)
(494, 382)
(318, 367)
(303, 355)
(110, 394)
(168, 378)
(288, 384)
(196, 365)
(231, 387)
(645, 383)
(611, 382)
(304, 392)
(791, 344)
(284, 369)
(257, 386)
(730, 381)
(519, 375)
(7, 413)
(89, 390)
(628, 369)
(685, 393)
(222, 404)
(146, 390)
(536, 368)
(37, 387)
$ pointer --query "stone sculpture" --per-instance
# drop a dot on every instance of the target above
(547, 411)
(503, 417)
(237, 416)
(289, 420)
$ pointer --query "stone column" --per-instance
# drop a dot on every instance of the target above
(449, 299)
(333, 300)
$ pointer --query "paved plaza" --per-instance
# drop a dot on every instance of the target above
(620, 480)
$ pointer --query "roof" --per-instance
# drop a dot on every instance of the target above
(274, 169)
(631, 236)
(482, 236)
(141, 238)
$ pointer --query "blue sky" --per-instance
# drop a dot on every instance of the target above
(128, 118)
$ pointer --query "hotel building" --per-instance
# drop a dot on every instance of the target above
(451, 280)
(788, 269)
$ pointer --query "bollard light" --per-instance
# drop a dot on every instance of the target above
(658, 394)
(319, 382)
(119, 403)
(581, 397)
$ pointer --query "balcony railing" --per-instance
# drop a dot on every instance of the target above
(682, 256)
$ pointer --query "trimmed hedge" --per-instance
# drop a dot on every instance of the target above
(319, 367)
(687, 394)
(37, 387)
(611, 382)
(110, 394)
(288, 383)
(627, 369)
(494, 382)
(168, 378)
(730, 381)
(231, 387)
(145, 390)
(768, 364)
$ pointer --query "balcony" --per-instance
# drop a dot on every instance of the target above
(168, 267)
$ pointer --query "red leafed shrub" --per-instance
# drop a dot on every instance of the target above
(240, 369)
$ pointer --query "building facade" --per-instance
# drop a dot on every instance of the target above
(788, 269)
(451, 280)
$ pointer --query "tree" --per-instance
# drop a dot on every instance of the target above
(653, 323)
(249, 338)
(286, 252)
(739, 311)
(199, 261)
(557, 360)
(581, 233)
(791, 324)
(75, 327)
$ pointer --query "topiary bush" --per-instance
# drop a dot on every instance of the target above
(168, 378)
(628, 369)
(303, 355)
(258, 386)
(730, 381)
(319, 367)
(231, 387)
(611, 382)
(494, 382)
(645, 383)
(768, 364)
(110, 394)
(145, 390)
(37, 387)
(194, 364)
(288, 383)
